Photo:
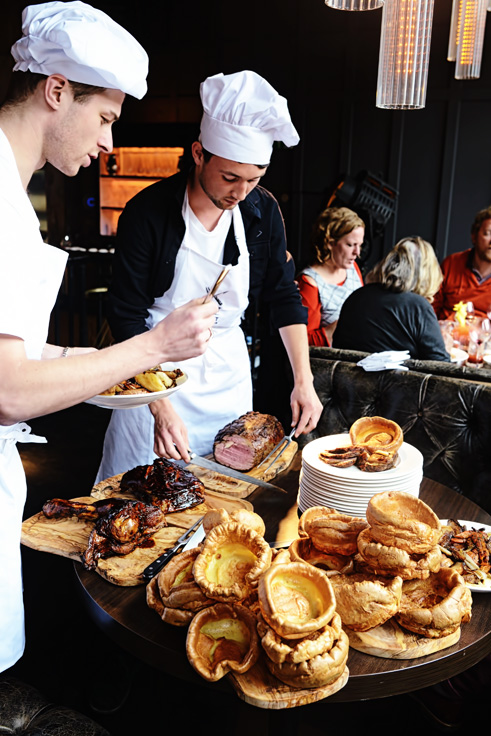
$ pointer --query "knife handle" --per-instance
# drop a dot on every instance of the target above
(150, 571)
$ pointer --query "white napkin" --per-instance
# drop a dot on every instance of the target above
(385, 361)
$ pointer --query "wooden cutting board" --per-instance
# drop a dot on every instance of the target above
(260, 688)
(390, 641)
(69, 537)
(223, 483)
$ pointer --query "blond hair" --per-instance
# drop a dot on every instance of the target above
(331, 225)
(411, 265)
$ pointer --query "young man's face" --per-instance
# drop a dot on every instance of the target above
(226, 183)
(82, 130)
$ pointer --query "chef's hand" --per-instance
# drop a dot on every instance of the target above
(186, 331)
(170, 433)
(306, 408)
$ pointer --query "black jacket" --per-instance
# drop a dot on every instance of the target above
(150, 232)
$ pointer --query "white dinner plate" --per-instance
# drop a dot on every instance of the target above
(486, 588)
(130, 401)
(409, 459)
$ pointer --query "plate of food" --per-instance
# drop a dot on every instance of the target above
(468, 545)
(142, 389)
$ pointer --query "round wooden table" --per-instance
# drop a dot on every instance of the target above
(123, 614)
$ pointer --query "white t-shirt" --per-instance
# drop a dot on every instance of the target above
(30, 276)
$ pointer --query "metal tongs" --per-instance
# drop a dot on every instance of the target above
(285, 441)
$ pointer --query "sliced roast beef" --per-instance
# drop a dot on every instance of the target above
(246, 441)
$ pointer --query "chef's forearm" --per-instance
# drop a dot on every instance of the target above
(296, 344)
(31, 388)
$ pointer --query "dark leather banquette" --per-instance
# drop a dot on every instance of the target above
(444, 411)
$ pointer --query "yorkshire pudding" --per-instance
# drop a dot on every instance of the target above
(297, 650)
(323, 669)
(333, 533)
(174, 616)
(402, 520)
(222, 638)
(377, 434)
(386, 560)
(296, 599)
(231, 561)
(437, 606)
(241, 516)
(365, 601)
(314, 512)
(302, 550)
(177, 586)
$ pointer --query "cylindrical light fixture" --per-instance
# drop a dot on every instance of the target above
(354, 4)
(470, 38)
(454, 32)
(404, 54)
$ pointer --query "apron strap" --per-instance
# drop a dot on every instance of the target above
(20, 432)
(231, 251)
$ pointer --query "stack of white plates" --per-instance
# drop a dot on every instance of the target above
(349, 490)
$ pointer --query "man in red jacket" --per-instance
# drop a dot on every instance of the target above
(467, 275)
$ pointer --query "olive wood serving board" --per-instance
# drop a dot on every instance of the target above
(69, 537)
(390, 641)
(260, 688)
(235, 488)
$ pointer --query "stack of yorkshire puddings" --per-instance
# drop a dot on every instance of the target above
(396, 571)
(343, 574)
(228, 589)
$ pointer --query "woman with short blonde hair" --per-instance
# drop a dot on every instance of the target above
(393, 310)
(411, 265)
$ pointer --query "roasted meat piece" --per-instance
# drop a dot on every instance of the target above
(120, 525)
(246, 441)
(164, 484)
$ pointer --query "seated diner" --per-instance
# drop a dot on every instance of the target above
(393, 310)
(333, 273)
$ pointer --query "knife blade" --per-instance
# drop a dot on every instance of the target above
(151, 570)
(203, 462)
(196, 538)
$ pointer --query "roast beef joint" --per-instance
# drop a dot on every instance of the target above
(243, 443)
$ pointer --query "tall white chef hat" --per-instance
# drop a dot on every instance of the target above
(242, 116)
(82, 43)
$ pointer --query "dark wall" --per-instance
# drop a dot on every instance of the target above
(325, 63)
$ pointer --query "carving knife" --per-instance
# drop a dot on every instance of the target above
(151, 570)
(203, 462)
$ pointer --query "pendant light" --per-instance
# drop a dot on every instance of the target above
(470, 38)
(404, 54)
(355, 4)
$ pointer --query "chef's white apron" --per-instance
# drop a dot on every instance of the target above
(47, 265)
(219, 385)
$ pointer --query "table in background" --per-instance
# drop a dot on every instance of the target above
(123, 614)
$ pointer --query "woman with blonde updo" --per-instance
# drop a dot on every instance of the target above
(333, 275)
(393, 310)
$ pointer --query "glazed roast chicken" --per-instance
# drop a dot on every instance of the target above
(120, 524)
(164, 484)
(243, 443)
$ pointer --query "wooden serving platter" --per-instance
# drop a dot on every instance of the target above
(69, 537)
(390, 641)
(223, 483)
(260, 688)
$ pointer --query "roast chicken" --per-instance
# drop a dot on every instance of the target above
(120, 525)
(164, 484)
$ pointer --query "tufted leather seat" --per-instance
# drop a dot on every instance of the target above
(445, 417)
(23, 710)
